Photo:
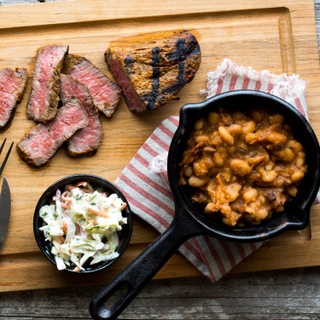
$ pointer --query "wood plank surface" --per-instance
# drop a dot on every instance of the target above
(283, 39)
(273, 255)
(264, 295)
(286, 294)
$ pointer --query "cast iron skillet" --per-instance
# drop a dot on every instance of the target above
(190, 221)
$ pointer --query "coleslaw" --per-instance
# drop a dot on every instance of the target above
(82, 224)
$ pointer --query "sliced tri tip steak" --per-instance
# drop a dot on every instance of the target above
(87, 140)
(12, 85)
(105, 93)
(44, 97)
(151, 69)
(41, 142)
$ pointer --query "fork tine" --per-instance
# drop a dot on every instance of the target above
(6, 158)
(3, 143)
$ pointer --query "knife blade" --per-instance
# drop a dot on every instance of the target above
(5, 210)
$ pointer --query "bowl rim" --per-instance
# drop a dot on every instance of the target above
(62, 182)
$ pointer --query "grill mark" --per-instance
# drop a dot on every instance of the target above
(127, 60)
(177, 55)
(180, 54)
(180, 44)
(186, 47)
(152, 96)
(196, 50)
(180, 79)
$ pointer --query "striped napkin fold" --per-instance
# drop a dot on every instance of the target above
(144, 182)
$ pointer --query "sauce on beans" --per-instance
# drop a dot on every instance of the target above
(243, 167)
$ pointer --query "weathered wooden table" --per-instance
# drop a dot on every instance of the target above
(285, 294)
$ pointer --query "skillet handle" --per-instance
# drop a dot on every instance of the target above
(143, 268)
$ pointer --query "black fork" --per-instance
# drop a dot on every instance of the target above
(7, 155)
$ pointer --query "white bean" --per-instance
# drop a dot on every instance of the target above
(249, 126)
(198, 124)
(268, 176)
(196, 182)
(188, 171)
(250, 195)
(202, 138)
(233, 191)
(240, 167)
(226, 136)
(213, 117)
(235, 129)
(218, 160)
(262, 213)
(298, 175)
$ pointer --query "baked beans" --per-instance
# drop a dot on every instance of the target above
(243, 167)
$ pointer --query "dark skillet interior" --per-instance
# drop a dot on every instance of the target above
(296, 213)
(95, 181)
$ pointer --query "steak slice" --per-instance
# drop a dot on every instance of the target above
(41, 142)
(12, 85)
(44, 97)
(151, 69)
(105, 93)
(87, 140)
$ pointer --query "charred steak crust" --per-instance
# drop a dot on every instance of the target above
(105, 93)
(87, 140)
(151, 69)
(12, 85)
(44, 97)
(41, 142)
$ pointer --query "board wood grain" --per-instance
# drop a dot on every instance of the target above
(279, 36)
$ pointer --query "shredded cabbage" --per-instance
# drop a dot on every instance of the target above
(83, 224)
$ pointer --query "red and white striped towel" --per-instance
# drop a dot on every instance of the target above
(144, 181)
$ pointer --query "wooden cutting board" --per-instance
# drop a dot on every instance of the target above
(277, 35)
